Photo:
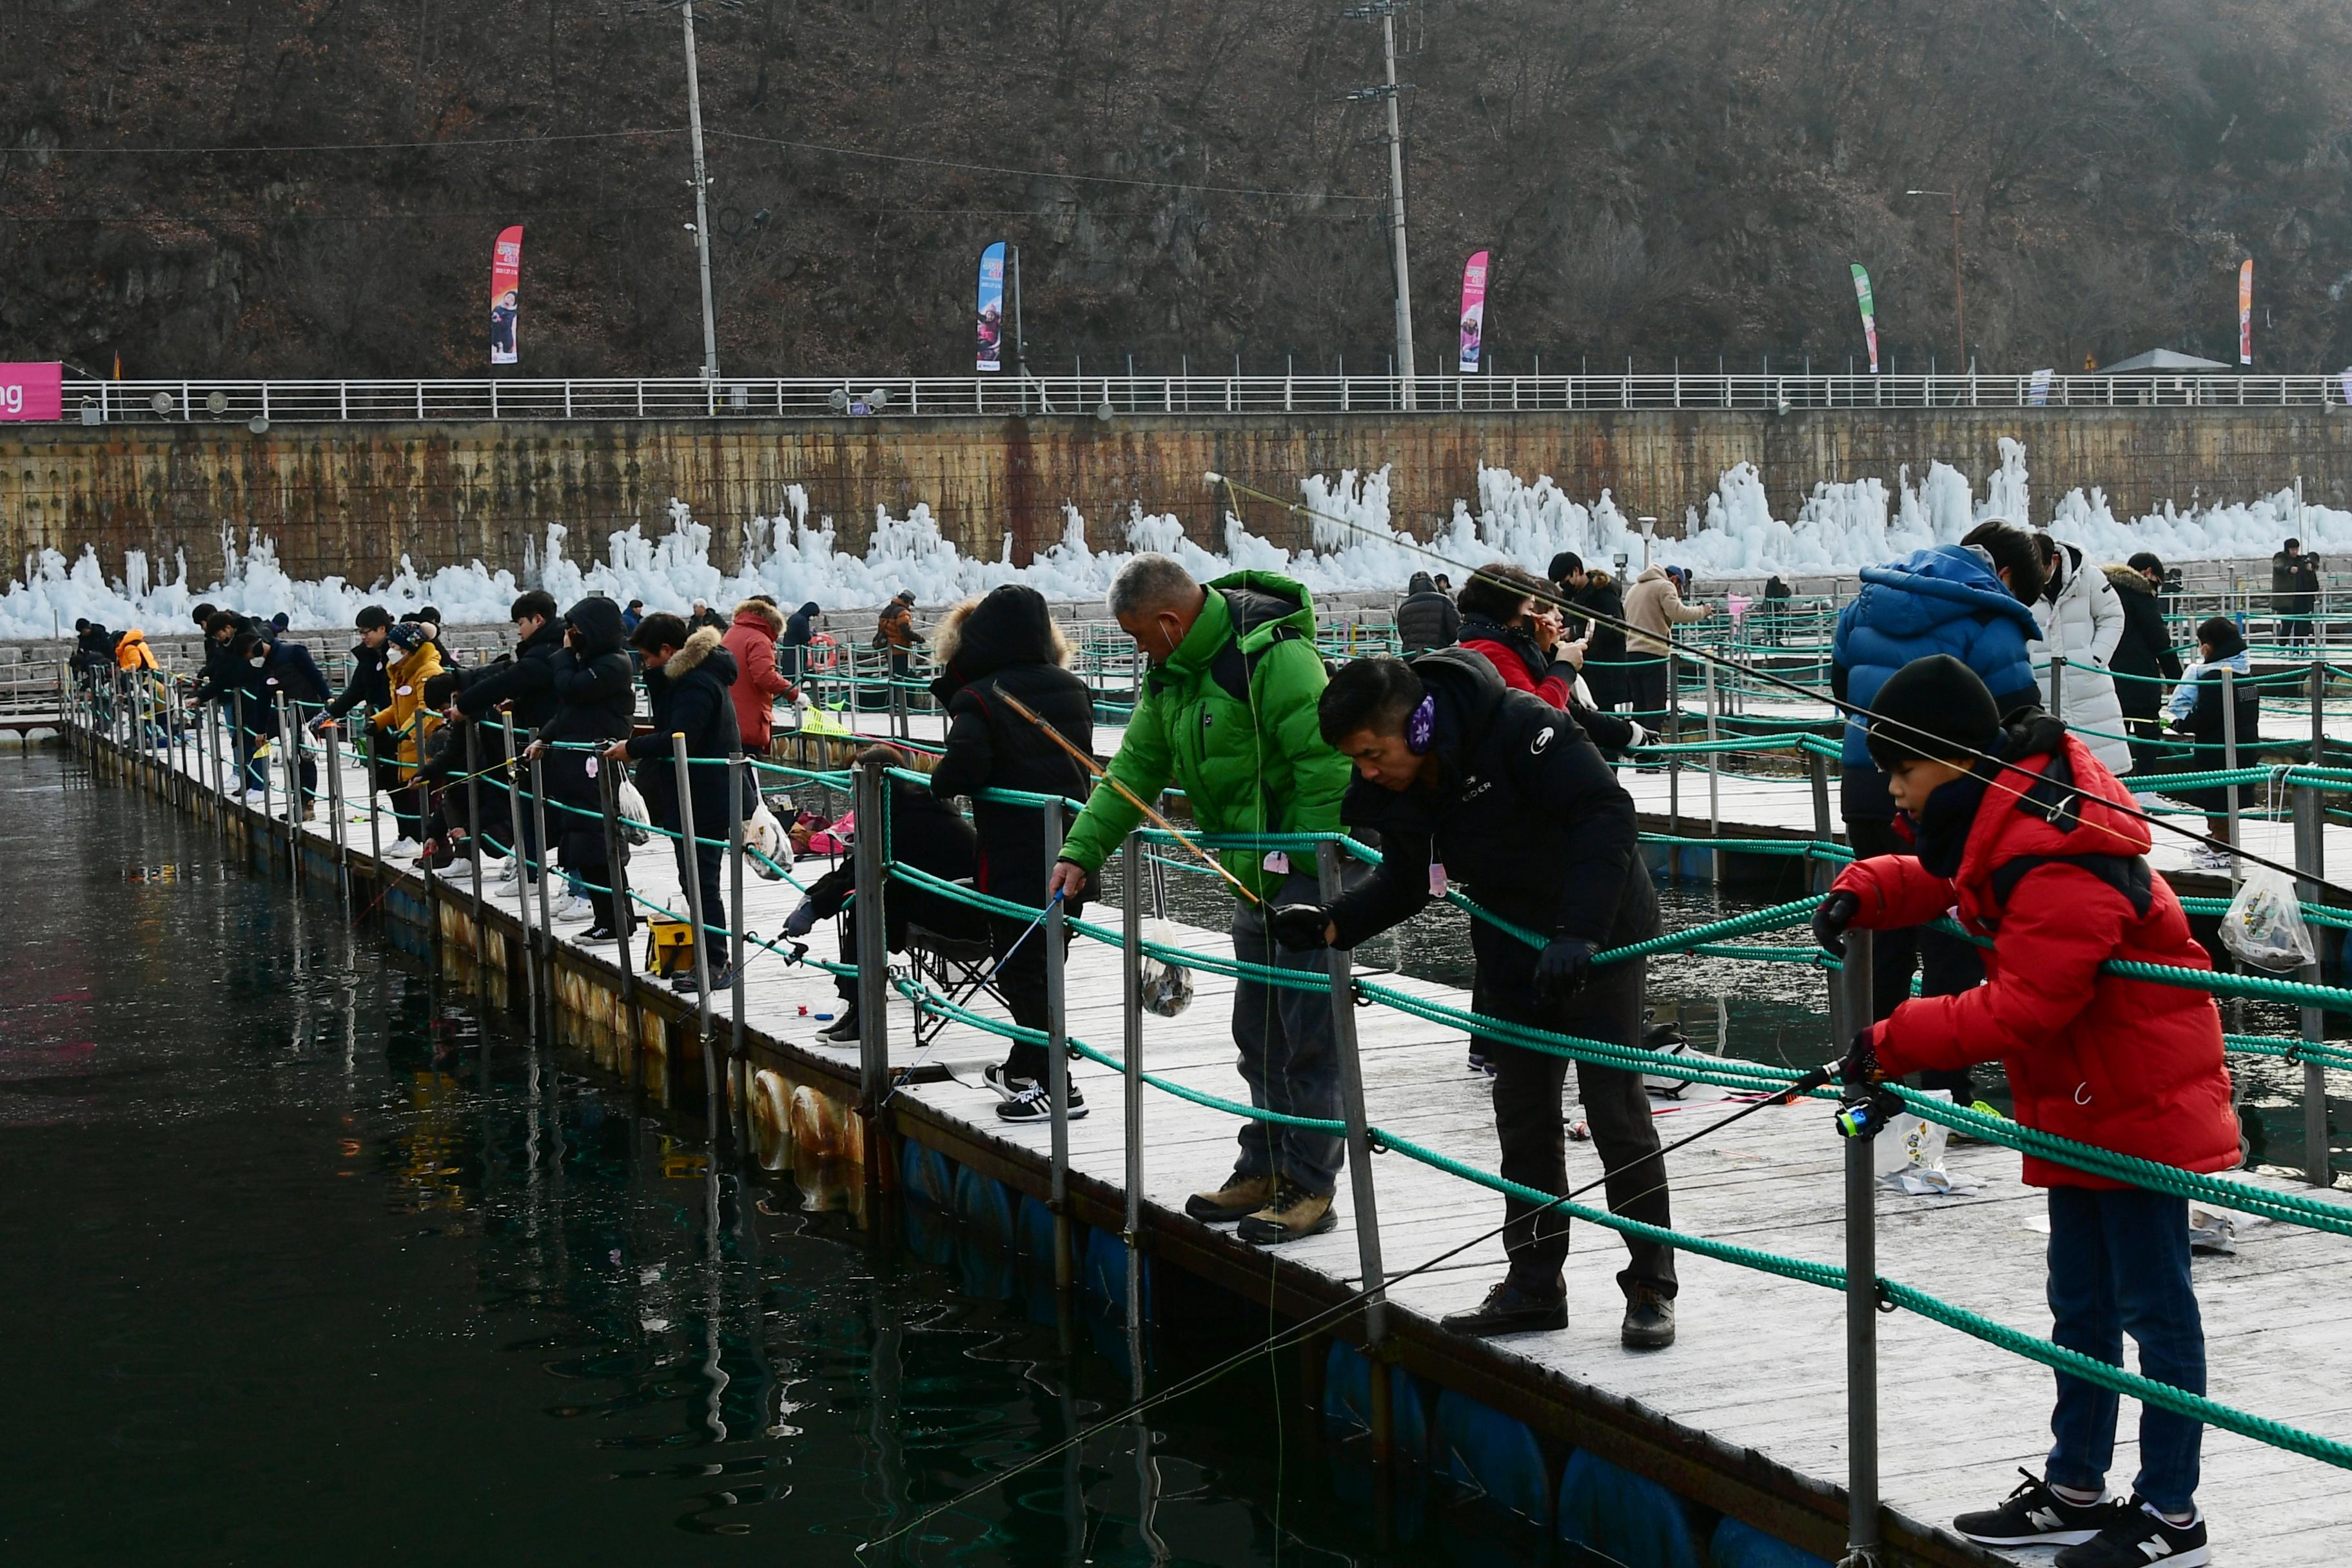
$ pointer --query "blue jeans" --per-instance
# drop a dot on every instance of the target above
(1289, 1053)
(2119, 1263)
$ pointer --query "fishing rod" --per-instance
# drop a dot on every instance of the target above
(1818, 1078)
(1549, 595)
(1103, 775)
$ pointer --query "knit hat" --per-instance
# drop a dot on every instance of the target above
(1929, 700)
(408, 636)
(2221, 634)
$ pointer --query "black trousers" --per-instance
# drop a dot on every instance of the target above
(1021, 980)
(1646, 684)
(707, 861)
(1947, 965)
(1532, 1128)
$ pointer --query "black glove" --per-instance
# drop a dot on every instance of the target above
(1836, 912)
(1561, 969)
(802, 920)
(1860, 1063)
(1301, 928)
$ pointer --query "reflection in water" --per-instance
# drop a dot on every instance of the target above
(315, 1263)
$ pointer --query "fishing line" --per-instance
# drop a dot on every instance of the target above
(1550, 595)
(1813, 1081)
(907, 1073)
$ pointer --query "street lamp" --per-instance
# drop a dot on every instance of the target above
(1959, 305)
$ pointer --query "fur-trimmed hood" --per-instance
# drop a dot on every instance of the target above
(759, 610)
(1008, 625)
(2128, 581)
(698, 648)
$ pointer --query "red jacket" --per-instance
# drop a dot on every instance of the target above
(2127, 1065)
(752, 640)
(1555, 690)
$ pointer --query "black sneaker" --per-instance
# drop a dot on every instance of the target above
(2034, 1515)
(1481, 1065)
(1649, 1320)
(1510, 1310)
(722, 981)
(599, 933)
(1006, 1084)
(2137, 1536)
(1035, 1102)
(842, 1030)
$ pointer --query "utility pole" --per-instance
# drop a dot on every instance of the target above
(1386, 11)
(1959, 302)
(701, 202)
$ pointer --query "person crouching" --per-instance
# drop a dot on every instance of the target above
(2015, 828)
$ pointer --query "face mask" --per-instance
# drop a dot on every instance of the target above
(257, 661)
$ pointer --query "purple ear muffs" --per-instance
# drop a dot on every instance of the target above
(1420, 727)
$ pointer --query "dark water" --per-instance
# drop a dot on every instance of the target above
(306, 1264)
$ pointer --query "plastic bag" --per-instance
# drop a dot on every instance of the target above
(2263, 924)
(635, 815)
(763, 833)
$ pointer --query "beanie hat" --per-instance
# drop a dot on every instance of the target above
(1932, 699)
(408, 635)
(2221, 634)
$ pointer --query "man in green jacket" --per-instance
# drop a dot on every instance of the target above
(1228, 716)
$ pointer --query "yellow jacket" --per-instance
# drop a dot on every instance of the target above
(133, 652)
(407, 677)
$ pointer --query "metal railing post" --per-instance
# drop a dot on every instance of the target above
(2318, 713)
(296, 808)
(623, 926)
(2230, 753)
(1057, 1055)
(1374, 1278)
(741, 781)
(521, 870)
(375, 827)
(538, 873)
(691, 873)
(1860, 1285)
(238, 743)
(872, 785)
(1714, 781)
(473, 841)
(1130, 996)
(2310, 858)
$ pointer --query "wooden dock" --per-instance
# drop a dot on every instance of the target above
(1746, 1414)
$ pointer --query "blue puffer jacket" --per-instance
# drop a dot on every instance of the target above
(1944, 600)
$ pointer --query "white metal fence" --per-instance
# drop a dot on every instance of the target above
(200, 401)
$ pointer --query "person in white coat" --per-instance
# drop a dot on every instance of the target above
(2082, 620)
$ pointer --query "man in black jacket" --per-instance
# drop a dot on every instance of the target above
(596, 700)
(686, 676)
(526, 685)
(2144, 662)
(990, 648)
(926, 834)
(266, 670)
(1426, 618)
(1466, 781)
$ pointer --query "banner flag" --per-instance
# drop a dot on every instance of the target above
(992, 308)
(505, 293)
(2037, 392)
(34, 390)
(1474, 311)
(2246, 312)
(1869, 316)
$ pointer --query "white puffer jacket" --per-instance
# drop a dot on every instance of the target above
(2083, 625)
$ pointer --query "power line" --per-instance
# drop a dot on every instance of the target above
(1045, 174)
(439, 146)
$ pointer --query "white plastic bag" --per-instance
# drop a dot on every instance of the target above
(764, 834)
(637, 818)
(2263, 924)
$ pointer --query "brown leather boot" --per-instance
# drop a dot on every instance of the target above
(1239, 1196)
(1291, 1215)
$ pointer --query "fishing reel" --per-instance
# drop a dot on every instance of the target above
(1865, 1110)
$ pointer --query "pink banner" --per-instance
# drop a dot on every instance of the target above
(1474, 311)
(2246, 312)
(505, 295)
(32, 391)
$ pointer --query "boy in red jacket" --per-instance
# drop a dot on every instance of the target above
(2029, 854)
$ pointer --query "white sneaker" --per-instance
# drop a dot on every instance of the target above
(403, 850)
(509, 869)
(2206, 857)
(256, 797)
(571, 909)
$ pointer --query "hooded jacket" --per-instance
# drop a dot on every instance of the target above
(2294, 582)
(1006, 644)
(593, 684)
(131, 652)
(1525, 813)
(1524, 667)
(1653, 607)
(751, 640)
(1944, 600)
(2144, 656)
(406, 721)
(2082, 619)
(2059, 881)
(1229, 719)
(690, 693)
(527, 681)
(1425, 617)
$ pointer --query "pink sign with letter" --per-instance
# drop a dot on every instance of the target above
(32, 391)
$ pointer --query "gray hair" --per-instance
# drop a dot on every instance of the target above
(1151, 583)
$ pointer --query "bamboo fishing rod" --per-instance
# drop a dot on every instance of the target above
(1549, 595)
(1103, 775)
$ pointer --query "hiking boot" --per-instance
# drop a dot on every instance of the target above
(2138, 1536)
(1510, 1309)
(2036, 1516)
(1293, 1214)
(1649, 1320)
(842, 1030)
(1035, 1102)
(1241, 1196)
